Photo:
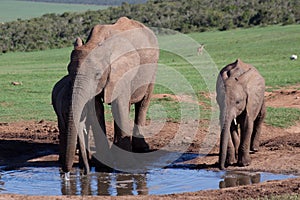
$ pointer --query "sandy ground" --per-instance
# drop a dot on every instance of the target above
(35, 143)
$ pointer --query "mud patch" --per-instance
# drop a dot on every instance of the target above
(286, 98)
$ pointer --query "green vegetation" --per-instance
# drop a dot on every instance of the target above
(59, 30)
(267, 48)
(282, 117)
(39, 71)
(12, 10)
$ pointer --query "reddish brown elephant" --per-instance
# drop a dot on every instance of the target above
(240, 95)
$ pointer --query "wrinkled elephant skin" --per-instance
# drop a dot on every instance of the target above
(117, 65)
(240, 95)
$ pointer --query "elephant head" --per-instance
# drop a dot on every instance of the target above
(234, 92)
(96, 67)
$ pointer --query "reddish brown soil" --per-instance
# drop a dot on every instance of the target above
(289, 98)
(35, 143)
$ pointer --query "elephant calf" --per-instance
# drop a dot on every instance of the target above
(240, 95)
(61, 104)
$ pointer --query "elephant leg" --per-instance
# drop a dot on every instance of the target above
(83, 153)
(257, 129)
(244, 148)
(232, 145)
(120, 111)
(82, 149)
(235, 139)
(62, 138)
(99, 133)
(230, 158)
(138, 141)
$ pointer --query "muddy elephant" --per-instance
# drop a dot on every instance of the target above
(240, 95)
(116, 66)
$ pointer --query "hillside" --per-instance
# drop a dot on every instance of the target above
(59, 30)
(12, 10)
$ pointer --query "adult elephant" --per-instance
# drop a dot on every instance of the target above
(240, 95)
(116, 66)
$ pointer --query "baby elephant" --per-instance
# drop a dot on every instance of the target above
(240, 95)
(61, 104)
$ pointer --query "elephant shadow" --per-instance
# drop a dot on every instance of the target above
(15, 154)
(180, 162)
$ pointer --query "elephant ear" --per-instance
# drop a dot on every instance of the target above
(255, 90)
(124, 63)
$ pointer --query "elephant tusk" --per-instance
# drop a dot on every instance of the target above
(235, 123)
(84, 130)
(67, 176)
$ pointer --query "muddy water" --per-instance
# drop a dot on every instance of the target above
(47, 181)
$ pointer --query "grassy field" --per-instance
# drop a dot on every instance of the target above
(266, 48)
(11, 10)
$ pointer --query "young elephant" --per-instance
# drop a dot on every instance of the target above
(240, 95)
(60, 102)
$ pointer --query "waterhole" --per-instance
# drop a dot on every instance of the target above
(170, 180)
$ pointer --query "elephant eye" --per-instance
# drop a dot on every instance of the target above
(97, 75)
(237, 102)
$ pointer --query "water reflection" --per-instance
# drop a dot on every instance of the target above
(170, 180)
(105, 184)
(232, 179)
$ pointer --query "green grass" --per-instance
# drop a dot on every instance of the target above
(38, 72)
(282, 117)
(266, 48)
(11, 10)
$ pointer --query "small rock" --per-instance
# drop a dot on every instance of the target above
(187, 138)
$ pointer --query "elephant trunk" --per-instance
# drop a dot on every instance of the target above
(71, 140)
(225, 136)
(79, 98)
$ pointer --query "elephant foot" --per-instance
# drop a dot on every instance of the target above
(231, 157)
(254, 149)
(244, 161)
(230, 161)
(124, 143)
(139, 145)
